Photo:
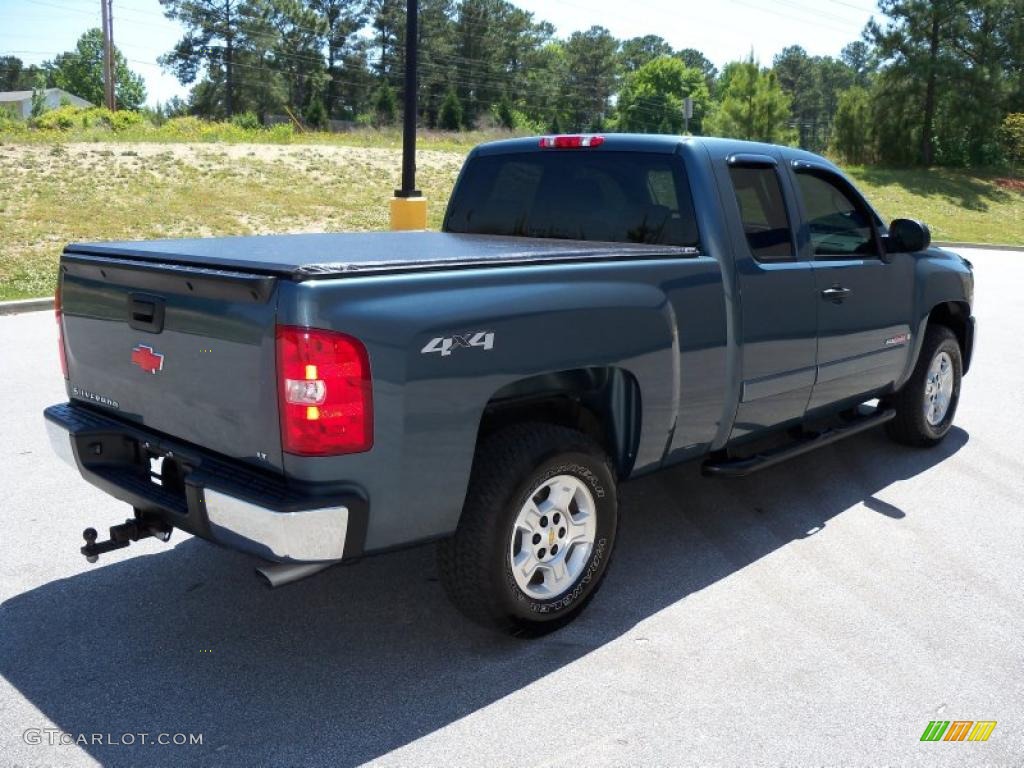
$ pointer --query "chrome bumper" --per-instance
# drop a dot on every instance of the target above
(60, 441)
(300, 533)
(309, 535)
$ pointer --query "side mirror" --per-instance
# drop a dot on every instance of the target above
(908, 236)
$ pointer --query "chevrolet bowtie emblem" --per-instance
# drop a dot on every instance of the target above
(148, 360)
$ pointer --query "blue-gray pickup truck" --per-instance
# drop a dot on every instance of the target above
(595, 308)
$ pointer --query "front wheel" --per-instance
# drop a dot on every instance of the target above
(536, 532)
(926, 404)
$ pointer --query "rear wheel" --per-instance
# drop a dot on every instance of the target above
(536, 532)
(926, 404)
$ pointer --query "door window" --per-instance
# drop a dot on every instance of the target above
(763, 211)
(839, 222)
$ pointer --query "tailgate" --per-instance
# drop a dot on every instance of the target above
(184, 350)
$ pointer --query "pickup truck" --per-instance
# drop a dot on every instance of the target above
(595, 308)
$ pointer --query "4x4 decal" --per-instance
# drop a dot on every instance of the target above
(445, 344)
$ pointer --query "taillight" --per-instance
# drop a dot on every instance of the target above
(326, 396)
(570, 142)
(58, 313)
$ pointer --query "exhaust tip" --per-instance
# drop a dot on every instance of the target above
(278, 574)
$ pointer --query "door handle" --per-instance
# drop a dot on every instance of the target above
(836, 293)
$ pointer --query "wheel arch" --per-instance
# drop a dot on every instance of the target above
(602, 402)
(955, 315)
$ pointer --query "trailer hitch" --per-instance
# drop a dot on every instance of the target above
(141, 527)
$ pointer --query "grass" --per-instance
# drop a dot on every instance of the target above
(958, 205)
(55, 191)
(54, 194)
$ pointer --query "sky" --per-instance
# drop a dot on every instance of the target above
(725, 30)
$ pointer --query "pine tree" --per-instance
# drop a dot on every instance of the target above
(450, 118)
(753, 106)
(384, 105)
(212, 34)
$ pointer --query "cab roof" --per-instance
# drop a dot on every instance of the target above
(717, 148)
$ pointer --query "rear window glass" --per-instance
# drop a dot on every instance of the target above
(623, 197)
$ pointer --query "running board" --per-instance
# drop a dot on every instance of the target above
(751, 464)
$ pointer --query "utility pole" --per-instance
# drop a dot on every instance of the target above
(107, 7)
(409, 206)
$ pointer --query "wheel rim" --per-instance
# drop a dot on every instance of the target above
(938, 389)
(552, 537)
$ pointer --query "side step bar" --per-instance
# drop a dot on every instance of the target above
(751, 464)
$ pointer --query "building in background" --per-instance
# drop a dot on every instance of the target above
(19, 103)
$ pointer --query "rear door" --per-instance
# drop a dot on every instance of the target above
(185, 351)
(863, 300)
(777, 300)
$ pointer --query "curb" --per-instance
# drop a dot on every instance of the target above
(25, 305)
(983, 246)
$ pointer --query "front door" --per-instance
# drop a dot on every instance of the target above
(863, 300)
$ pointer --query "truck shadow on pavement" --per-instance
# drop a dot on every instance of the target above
(358, 661)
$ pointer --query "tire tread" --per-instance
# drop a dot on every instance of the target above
(502, 461)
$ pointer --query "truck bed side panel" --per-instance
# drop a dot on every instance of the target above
(428, 406)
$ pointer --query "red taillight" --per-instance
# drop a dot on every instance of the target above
(57, 311)
(326, 396)
(570, 142)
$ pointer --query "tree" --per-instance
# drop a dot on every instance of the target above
(651, 99)
(11, 68)
(450, 118)
(753, 105)
(492, 41)
(591, 74)
(852, 138)
(691, 57)
(543, 99)
(384, 105)
(316, 113)
(798, 77)
(212, 33)
(638, 51)
(262, 88)
(356, 89)
(916, 40)
(337, 23)
(38, 95)
(294, 36)
(1011, 135)
(438, 62)
(81, 72)
(859, 57)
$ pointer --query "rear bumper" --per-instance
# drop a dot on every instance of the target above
(212, 497)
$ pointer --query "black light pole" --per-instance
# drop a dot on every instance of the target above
(409, 206)
(409, 118)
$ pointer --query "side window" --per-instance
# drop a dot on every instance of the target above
(763, 210)
(840, 224)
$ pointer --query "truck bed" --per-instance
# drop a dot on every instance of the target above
(319, 256)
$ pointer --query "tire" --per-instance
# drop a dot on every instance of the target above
(569, 479)
(912, 426)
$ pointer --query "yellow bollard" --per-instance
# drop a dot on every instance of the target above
(408, 213)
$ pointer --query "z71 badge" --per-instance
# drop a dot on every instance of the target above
(445, 344)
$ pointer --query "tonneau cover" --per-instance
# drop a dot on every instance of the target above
(313, 256)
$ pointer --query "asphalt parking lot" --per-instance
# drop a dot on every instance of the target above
(819, 613)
